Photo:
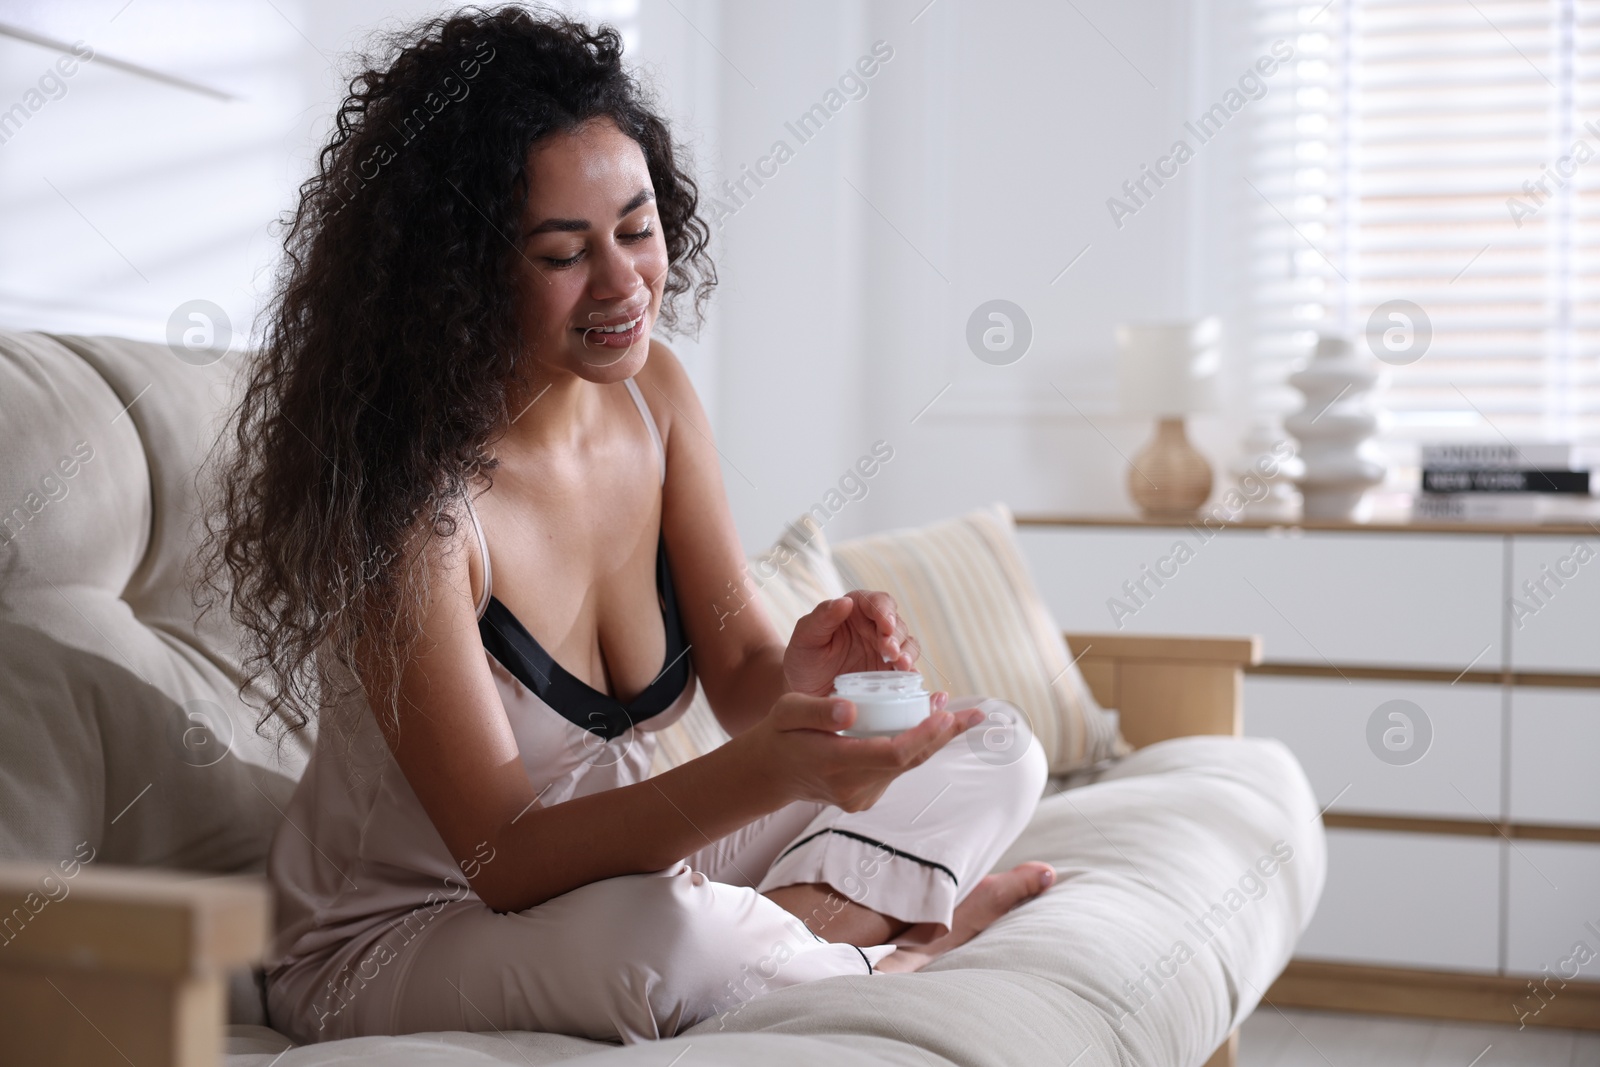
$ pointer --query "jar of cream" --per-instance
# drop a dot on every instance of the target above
(887, 702)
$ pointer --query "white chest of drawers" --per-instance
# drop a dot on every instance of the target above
(1464, 836)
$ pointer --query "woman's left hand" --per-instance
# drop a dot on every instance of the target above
(860, 631)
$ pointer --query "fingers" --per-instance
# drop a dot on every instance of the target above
(816, 627)
(881, 611)
(909, 652)
(912, 747)
(933, 733)
(796, 711)
(880, 626)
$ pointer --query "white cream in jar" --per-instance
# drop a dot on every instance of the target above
(887, 702)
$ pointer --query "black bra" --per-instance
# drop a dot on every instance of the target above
(508, 641)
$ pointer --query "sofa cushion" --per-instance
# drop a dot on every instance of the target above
(1161, 934)
(94, 760)
(75, 504)
(965, 592)
(122, 724)
(1185, 875)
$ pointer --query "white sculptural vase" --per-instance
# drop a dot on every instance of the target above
(1335, 429)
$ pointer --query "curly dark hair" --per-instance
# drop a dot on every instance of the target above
(393, 342)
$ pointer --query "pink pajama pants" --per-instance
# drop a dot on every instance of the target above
(644, 956)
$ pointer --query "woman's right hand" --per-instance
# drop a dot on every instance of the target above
(798, 745)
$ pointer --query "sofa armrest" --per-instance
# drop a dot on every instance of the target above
(1167, 686)
(109, 964)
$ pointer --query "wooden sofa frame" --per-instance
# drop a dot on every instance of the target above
(130, 965)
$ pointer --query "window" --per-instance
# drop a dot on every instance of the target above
(1446, 154)
(124, 198)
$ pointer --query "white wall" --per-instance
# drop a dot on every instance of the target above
(981, 160)
(124, 197)
(977, 166)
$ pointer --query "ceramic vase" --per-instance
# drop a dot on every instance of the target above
(1169, 479)
(1336, 430)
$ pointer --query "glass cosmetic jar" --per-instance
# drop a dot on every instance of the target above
(887, 702)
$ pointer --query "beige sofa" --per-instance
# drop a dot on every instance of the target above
(137, 801)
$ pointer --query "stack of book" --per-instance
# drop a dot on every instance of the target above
(1506, 482)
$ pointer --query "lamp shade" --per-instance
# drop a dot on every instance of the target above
(1169, 368)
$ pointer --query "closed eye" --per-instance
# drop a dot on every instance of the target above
(629, 238)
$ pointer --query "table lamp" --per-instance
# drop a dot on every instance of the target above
(1169, 370)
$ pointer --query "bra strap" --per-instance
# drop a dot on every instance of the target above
(650, 424)
(483, 554)
(472, 512)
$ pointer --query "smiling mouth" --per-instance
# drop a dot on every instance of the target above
(627, 326)
(617, 339)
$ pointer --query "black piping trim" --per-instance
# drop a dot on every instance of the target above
(864, 959)
(508, 641)
(883, 845)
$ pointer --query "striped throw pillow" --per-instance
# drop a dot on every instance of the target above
(964, 590)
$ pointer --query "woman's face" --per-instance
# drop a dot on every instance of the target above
(594, 259)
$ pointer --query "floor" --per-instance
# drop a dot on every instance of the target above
(1291, 1038)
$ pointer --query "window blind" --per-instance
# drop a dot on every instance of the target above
(1446, 154)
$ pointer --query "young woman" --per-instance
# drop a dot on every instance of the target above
(475, 523)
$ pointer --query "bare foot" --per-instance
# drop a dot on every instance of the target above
(990, 899)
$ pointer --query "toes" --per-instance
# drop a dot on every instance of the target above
(1040, 875)
(993, 897)
(999, 893)
(1023, 881)
(904, 961)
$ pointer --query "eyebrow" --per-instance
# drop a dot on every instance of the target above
(642, 197)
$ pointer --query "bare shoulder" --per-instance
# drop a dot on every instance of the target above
(447, 562)
(437, 574)
(668, 389)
